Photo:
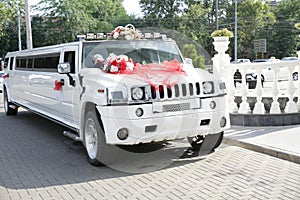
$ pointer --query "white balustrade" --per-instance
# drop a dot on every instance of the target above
(244, 106)
(231, 91)
(278, 84)
(259, 106)
(298, 81)
(275, 106)
(291, 106)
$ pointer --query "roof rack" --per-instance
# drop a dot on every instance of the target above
(105, 36)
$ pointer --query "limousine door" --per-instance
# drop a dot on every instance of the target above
(51, 93)
(68, 96)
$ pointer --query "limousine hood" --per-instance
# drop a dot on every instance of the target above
(153, 77)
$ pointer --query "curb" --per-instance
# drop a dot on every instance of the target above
(263, 149)
(282, 119)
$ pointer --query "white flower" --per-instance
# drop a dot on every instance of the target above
(129, 66)
(98, 58)
(116, 35)
(128, 37)
(106, 67)
(114, 68)
(111, 57)
(124, 57)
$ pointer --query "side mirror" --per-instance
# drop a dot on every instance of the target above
(64, 68)
(188, 61)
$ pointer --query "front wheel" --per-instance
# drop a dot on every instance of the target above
(9, 108)
(93, 138)
(295, 76)
(206, 144)
(196, 142)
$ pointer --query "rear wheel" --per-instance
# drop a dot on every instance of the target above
(9, 108)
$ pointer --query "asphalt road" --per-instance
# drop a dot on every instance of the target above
(38, 162)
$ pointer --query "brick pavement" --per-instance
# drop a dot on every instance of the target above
(37, 162)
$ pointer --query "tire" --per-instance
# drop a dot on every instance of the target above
(295, 76)
(196, 142)
(206, 143)
(94, 138)
(262, 80)
(7, 105)
(219, 140)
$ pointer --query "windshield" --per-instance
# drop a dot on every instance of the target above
(140, 51)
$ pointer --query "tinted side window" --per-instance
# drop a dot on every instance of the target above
(21, 63)
(5, 63)
(46, 62)
(11, 62)
(29, 63)
(70, 58)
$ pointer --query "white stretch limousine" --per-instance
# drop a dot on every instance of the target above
(118, 92)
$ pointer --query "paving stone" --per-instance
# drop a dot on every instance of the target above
(39, 163)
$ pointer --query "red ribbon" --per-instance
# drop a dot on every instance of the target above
(58, 86)
(168, 73)
(5, 76)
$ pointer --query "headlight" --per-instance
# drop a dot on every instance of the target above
(208, 87)
(137, 93)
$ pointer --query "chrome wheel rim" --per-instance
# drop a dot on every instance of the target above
(91, 138)
(295, 77)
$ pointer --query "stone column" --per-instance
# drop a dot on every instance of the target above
(220, 60)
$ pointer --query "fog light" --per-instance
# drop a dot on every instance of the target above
(223, 122)
(139, 112)
(212, 104)
(123, 133)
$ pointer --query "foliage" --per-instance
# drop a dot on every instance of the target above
(162, 13)
(8, 26)
(254, 16)
(189, 50)
(297, 25)
(195, 23)
(222, 32)
(284, 38)
(65, 19)
(60, 21)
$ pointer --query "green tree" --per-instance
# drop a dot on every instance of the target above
(63, 20)
(8, 25)
(284, 39)
(162, 13)
(196, 24)
(253, 18)
(189, 51)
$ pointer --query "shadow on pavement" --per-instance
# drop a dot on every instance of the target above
(34, 153)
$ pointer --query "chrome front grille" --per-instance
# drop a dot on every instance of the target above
(176, 107)
(181, 90)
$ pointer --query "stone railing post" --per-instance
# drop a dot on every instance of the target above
(244, 106)
(259, 106)
(220, 60)
(291, 106)
(275, 106)
(298, 86)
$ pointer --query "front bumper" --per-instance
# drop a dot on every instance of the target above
(154, 127)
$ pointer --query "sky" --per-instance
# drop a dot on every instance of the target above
(131, 6)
